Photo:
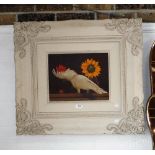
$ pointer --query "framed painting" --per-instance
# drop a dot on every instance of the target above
(79, 77)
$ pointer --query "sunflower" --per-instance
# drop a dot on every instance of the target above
(91, 68)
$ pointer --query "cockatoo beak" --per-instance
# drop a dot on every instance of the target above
(57, 74)
(54, 72)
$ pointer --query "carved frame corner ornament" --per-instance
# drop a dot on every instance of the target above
(131, 29)
(25, 124)
(133, 123)
(24, 32)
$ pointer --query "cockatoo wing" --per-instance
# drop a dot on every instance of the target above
(83, 82)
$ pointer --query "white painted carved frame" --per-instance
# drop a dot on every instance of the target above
(35, 40)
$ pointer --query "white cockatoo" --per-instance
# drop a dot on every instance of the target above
(78, 81)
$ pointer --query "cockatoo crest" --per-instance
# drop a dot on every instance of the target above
(62, 72)
(61, 68)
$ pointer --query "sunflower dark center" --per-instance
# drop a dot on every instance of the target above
(91, 68)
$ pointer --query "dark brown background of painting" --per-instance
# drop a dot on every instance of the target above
(60, 88)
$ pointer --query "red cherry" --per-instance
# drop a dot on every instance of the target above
(61, 91)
